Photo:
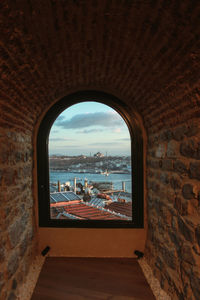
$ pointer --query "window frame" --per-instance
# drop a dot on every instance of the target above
(136, 163)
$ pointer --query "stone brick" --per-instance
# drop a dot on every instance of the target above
(180, 167)
(169, 256)
(3, 153)
(18, 156)
(1, 286)
(2, 253)
(167, 164)
(196, 249)
(12, 296)
(23, 246)
(27, 171)
(30, 233)
(164, 178)
(178, 204)
(174, 222)
(175, 284)
(194, 170)
(159, 264)
(187, 253)
(175, 182)
(187, 191)
(150, 173)
(14, 284)
(190, 148)
(2, 282)
(154, 163)
(166, 135)
(195, 284)
(192, 130)
(24, 220)
(179, 132)
(197, 234)
(16, 230)
(198, 198)
(124, 49)
(155, 186)
(15, 233)
(185, 208)
(13, 263)
(9, 176)
(186, 230)
(160, 151)
(172, 149)
(175, 239)
(149, 183)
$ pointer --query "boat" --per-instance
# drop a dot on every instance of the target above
(106, 173)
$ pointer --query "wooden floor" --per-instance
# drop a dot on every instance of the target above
(91, 278)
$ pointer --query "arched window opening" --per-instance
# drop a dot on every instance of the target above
(90, 164)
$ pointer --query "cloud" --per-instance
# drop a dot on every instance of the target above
(54, 131)
(90, 131)
(60, 140)
(104, 144)
(66, 147)
(124, 139)
(60, 118)
(103, 119)
(117, 130)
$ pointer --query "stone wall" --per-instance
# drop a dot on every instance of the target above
(17, 246)
(144, 52)
(173, 243)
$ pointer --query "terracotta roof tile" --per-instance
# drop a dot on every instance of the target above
(120, 207)
(89, 212)
(78, 209)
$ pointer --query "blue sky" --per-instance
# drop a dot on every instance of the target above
(89, 127)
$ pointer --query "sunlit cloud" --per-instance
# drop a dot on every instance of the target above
(117, 130)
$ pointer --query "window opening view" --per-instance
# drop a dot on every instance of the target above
(90, 175)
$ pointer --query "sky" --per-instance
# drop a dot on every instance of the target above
(87, 128)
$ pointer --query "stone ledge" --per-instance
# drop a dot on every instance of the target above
(27, 288)
(158, 292)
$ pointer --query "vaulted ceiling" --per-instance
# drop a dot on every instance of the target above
(145, 52)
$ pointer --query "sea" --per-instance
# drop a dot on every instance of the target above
(115, 179)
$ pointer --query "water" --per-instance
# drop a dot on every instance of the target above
(116, 179)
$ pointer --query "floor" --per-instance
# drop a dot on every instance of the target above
(91, 278)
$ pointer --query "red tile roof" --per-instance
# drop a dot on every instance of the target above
(121, 207)
(61, 204)
(90, 212)
(78, 209)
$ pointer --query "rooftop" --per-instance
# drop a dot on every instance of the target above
(124, 208)
(80, 210)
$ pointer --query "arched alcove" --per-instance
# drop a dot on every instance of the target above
(137, 174)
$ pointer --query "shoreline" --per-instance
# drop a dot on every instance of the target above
(88, 172)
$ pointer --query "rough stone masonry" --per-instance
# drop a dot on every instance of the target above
(147, 54)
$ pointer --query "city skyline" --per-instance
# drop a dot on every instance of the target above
(89, 127)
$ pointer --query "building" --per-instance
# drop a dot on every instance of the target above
(146, 53)
(98, 154)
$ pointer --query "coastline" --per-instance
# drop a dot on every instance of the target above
(90, 172)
